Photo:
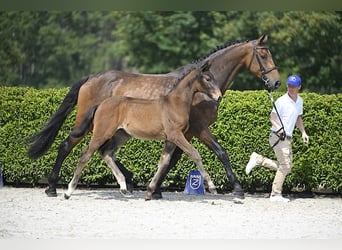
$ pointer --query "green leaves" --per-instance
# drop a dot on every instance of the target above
(241, 128)
(54, 48)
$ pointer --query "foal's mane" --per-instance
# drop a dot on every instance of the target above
(179, 79)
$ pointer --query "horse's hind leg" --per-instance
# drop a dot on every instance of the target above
(64, 150)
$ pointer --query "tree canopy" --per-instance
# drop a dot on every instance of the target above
(55, 48)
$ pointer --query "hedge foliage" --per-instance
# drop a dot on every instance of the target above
(242, 127)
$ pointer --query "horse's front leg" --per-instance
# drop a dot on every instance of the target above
(162, 170)
(208, 139)
(202, 115)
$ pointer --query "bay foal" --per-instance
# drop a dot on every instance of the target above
(165, 118)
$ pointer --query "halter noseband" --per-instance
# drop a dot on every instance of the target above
(263, 71)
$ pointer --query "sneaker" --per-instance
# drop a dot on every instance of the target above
(252, 162)
(278, 197)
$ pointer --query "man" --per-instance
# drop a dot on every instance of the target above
(286, 114)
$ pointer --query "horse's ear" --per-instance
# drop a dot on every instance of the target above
(263, 39)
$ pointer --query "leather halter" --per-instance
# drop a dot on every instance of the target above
(263, 71)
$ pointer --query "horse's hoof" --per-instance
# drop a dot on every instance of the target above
(51, 192)
(213, 190)
(157, 196)
(240, 194)
(66, 196)
(130, 187)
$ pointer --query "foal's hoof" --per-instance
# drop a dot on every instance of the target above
(124, 193)
(213, 190)
(148, 196)
(66, 196)
(238, 200)
(51, 192)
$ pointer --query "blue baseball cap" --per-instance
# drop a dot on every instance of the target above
(294, 80)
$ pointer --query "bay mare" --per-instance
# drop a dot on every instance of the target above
(227, 62)
(165, 118)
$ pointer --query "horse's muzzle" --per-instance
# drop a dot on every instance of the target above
(271, 86)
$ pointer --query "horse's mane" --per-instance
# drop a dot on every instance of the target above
(198, 60)
(217, 48)
(194, 63)
(184, 70)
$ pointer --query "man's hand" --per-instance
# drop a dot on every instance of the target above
(282, 136)
(305, 137)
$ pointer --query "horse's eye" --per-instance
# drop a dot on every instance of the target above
(264, 56)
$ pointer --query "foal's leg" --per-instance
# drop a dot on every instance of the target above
(173, 161)
(162, 170)
(195, 156)
(111, 146)
(85, 156)
(175, 156)
(96, 141)
(120, 178)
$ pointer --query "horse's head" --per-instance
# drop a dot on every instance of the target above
(260, 63)
(206, 82)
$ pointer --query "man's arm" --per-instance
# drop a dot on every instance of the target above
(300, 126)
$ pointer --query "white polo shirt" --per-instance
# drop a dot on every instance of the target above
(289, 111)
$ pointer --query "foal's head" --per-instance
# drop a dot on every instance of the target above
(206, 82)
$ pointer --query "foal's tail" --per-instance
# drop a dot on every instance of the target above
(43, 140)
(82, 129)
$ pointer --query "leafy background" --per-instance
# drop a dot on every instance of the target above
(242, 127)
(46, 49)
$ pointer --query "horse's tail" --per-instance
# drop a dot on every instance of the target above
(43, 140)
(82, 129)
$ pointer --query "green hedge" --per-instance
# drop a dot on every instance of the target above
(242, 127)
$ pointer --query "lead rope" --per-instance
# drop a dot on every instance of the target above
(282, 135)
